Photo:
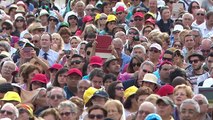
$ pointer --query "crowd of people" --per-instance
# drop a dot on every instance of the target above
(161, 57)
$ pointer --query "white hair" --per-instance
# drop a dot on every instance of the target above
(151, 105)
(202, 96)
(15, 110)
(141, 47)
(189, 14)
(192, 102)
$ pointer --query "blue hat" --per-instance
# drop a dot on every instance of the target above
(153, 116)
(101, 93)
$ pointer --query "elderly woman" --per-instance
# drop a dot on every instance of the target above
(181, 93)
(68, 110)
(57, 42)
(115, 110)
(8, 110)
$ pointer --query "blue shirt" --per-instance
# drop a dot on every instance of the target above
(125, 60)
(51, 57)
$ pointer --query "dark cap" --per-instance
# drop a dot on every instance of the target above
(101, 93)
(165, 100)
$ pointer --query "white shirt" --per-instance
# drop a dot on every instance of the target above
(205, 31)
(51, 57)
(67, 46)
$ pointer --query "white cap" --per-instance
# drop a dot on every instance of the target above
(208, 82)
(19, 15)
(43, 12)
(9, 21)
(156, 45)
(178, 28)
(150, 77)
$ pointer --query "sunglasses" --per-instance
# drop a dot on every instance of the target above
(119, 88)
(37, 83)
(20, 20)
(205, 51)
(65, 113)
(119, 13)
(71, 18)
(167, 59)
(171, 2)
(56, 96)
(201, 14)
(176, 45)
(54, 20)
(136, 64)
(146, 71)
(6, 28)
(7, 112)
(193, 61)
(89, 9)
(103, 18)
(133, 33)
(76, 62)
(92, 116)
(154, 50)
(138, 19)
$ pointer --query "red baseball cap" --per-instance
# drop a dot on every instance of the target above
(120, 9)
(56, 66)
(87, 18)
(139, 14)
(96, 60)
(74, 70)
(151, 21)
(40, 78)
(166, 90)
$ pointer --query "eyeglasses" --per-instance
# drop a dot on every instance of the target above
(34, 41)
(7, 112)
(56, 96)
(176, 45)
(139, 19)
(133, 33)
(167, 59)
(76, 62)
(6, 28)
(119, 13)
(65, 113)
(20, 43)
(136, 64)
(154, 50)
(20, 20)
(205, 51)
(102, 18)
(201, 14)
(92, 116)
(37, 83)
(195, 7)
(171, 2)
(119, 88)
(143, 112)
(193, 61)
(146, 71)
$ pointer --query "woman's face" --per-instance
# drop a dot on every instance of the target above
(31, 75)
(177, 45)
(107, 9)
(66, 114)
(102, 20)
(119, 90)
(147, 31)
(166, 14)
(195, 7)
(112, 112)
(107, 83)
(111, 25)
(72, 20)
(56, 40)
(74, 43)
(36, 85)
(135, 64)
(19, 22)
(82, 50)
(179, 96)
(52, 21)
(62, 79)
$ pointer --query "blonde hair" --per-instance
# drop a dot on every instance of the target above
(61, 46)
(188, 90)
(152, 98)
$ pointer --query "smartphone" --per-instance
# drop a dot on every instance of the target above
(67, 52)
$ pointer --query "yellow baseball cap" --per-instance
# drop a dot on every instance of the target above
(97, 17)
(130, 91)
(111, 18)
(88, 94)
(11, 96)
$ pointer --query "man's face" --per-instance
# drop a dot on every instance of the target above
(154, 53)
(80, 7)
(163, 109)
(167, 57)
(189, 42)
(187, 20)
(6, 29)
(165, 71)
(97, 82)
(210, 20)
(142, 71)
(72, 80)
(7, 112)
(138, 21)
(82, 86)
(196, 63)
(143, 111)
(114, 67)
(209, 62)
(76, 63)
(197, 37)
(36, 40)
(118, 47)
(132, 33)
(139, 52)
(152, 4)
(121, 15)
(44, 18)
(188, 112)
(200, 15)
(98, 101)
(7, 69)
(45, 41)
(203, 105)
(55, 97)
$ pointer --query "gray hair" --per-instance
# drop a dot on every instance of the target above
(141, 47)
(202, 96)
(189, 14)
(73, 107)
(5, 45)
(15, 110)
(192, 102)
(55, 88)
(117, 40)
(147, 62)
(151, 105)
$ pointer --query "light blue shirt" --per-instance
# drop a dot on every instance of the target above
(51, 57)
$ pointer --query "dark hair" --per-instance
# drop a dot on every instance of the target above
(61, 71)
(90, 35)
(178, 81)
(27, 70)
(190, 6)
(143, 91)
(7, 24)
(77, 56)
(43, 85)
(103, 5)
(95, 107)
(48, 34)
(88, 45)
(128, 102)
(5, 87)
(147, 26)
(163, 8)
(111, 90)
(109, 76)
(96, 72)
(130, 66)
(87, 1)
(177, 72)
(209, 13)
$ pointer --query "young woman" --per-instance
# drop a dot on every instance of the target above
(60, 78)
(116, 91)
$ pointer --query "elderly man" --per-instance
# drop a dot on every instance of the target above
(205, 47)
(82, 86)
(8, 110)
(197, 37)
(189, 110)
(204, 105)
(199, 17)
(187, 19)
(55, 96)
(6, 71)
(145, 109)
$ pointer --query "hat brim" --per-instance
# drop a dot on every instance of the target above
(149, 81)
